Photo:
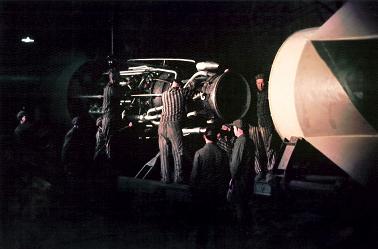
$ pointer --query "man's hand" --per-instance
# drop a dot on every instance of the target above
(226, 128)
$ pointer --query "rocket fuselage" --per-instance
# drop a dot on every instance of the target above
(323, 87)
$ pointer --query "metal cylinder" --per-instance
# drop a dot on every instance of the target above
(321, 88)
(228, 95)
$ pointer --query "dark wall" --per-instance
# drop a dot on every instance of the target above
(242, 35)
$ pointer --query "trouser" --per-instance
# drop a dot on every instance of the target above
(171, 133)
(111, 123)
(265, 154)
(242, 211)
(205, 219)
(100, 144)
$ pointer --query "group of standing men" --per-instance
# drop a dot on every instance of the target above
(170, 135)
(107, 125)
(249, 154)
(260, 130)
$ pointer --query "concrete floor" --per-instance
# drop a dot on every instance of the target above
(36, 215)
(112, 220)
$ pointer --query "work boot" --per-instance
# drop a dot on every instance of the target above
(166, 181)
(269, 177)
(260, 177)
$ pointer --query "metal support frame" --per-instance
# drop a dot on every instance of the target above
(148, 166)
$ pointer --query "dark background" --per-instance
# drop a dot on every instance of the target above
(243, 35)
(239, 33)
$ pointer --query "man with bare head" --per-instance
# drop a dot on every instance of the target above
(261, 132)
(112, 111)
(170, 134)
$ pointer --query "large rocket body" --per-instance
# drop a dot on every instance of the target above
(323, 87)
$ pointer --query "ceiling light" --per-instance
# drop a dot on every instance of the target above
(27, 40)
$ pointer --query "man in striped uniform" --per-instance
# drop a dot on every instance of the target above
(112, 111)
(172, 116)
(262, 132)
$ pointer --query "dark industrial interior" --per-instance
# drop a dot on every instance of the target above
(53, 76)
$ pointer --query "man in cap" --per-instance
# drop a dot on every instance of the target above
(77, 155)
(24, 131)
(72, 150)
(210, 173)
(209, 179)
(226, 139)
(241, 167)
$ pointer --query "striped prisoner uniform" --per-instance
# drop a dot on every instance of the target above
(261, 134)
(112, 112)
(173, 113)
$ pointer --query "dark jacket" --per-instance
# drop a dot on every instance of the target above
(210, 173)
(262, 109)
(259, 112)
(112, 96)
(78, 148)
(25, 135)
(242, 166)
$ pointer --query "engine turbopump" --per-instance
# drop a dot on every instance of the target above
(218, 94)
(225, 95)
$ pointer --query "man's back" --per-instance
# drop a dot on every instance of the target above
(242, 164)
(24, 135)
(112, 96)
(210, 173)
(174, 101)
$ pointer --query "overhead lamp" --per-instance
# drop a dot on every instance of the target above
(27, 40)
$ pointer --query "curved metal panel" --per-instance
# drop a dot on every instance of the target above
(353, 20)
(282, 84)
(323, 107)
(308, 100)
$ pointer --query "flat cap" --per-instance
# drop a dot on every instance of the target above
(20, 114)
(239, 123)
(211, 132)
